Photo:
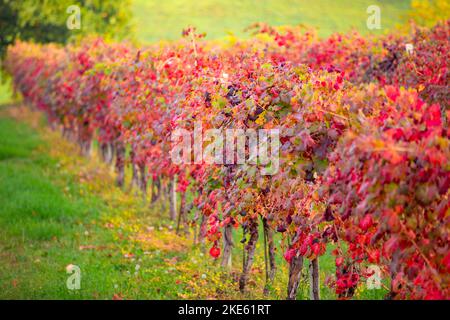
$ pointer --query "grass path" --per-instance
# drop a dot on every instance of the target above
(58, 208)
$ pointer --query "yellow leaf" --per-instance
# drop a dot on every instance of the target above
(261, 118)
(421, 88)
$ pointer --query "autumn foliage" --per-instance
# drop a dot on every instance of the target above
(364, 142)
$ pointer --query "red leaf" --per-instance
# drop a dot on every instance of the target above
(214, 252)
(289, 254)
(392, 92)
(366, 222)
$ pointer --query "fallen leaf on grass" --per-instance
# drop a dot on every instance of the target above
(109, 225)
(171, 261)
(91, 247)
(117, 296)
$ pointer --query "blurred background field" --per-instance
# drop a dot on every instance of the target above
(159, 20)
(5, 93)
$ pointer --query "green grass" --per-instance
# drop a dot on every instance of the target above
(46, 217)
(53, 212)
(161, 20)
(42, 229)
(5, 91)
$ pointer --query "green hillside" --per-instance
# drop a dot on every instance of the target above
(157, 20)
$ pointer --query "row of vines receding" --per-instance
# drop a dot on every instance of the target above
(364, 157)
